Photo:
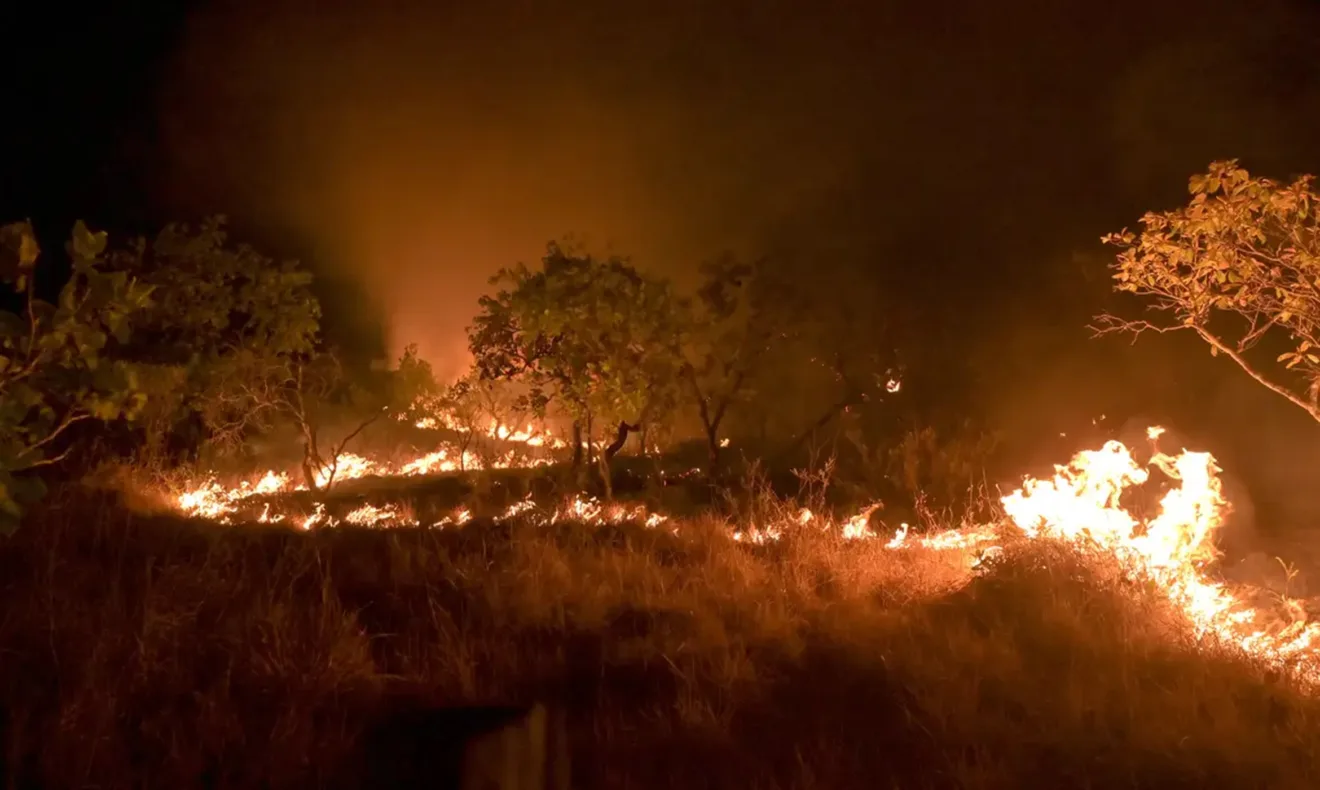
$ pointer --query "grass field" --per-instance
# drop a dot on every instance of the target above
(150, 651)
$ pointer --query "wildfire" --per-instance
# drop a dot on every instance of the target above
(1174, 548)
(1080, 505)
(528, 434)
(214, 501)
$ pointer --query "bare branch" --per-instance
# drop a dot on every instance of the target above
(1111, 324)
(50, 461)
(69, 420)
(1251, 371)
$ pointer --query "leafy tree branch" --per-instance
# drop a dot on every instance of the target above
(1240, 267)
(57, 367)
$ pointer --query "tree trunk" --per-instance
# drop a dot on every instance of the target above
(606, 478)
(713, 447)
(577, 444)
(710, 421)
(824, 420)
(463, 450)
(591, 450)
(607, 455)
(620, 438)
(310, 466)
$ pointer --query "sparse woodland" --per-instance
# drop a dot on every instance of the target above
(141, 647)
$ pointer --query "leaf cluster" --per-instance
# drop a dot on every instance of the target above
(1240, 266)
(58, 362)
(595, 337)
(222, 312)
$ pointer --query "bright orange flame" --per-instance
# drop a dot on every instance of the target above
(1079, 505)
(528, 434)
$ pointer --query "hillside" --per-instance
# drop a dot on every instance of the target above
(798, 652)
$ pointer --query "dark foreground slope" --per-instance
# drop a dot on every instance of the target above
(152, 653)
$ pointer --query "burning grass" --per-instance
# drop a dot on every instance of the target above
(1072, 644)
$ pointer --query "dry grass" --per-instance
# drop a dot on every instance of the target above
(148, 652)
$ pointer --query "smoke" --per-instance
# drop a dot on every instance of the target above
(422, 146)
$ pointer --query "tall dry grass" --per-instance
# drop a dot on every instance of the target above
(144, 651)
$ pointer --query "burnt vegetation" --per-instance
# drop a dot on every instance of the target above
(143, 648)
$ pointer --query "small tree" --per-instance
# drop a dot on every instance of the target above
(54, 370)
(594, 337)
(308, 390)
(1240, 267)
(837, 342)
(736, 321)
(222, 311)
(475, 408)
(462, 413)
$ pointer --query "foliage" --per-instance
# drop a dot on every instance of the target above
(610, 346)
(402, 390)
(1240, 267)
(56, 363)
(222, 311)
(596, 338)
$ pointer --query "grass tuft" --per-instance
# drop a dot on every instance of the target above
(149, 651)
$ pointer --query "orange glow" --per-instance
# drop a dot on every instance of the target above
(1079, 505)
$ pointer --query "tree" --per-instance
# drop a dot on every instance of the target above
(461, 411)
(221, 312)
(836, 348)
(594, 337)
(1240, 267)
(476, 408)
(309, 390)
(737, 319)
(55, 369)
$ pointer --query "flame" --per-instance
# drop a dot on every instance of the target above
(214, 501)
(528, 434)
(759, 535)
(347, 467)
(1080, 505)
(316, 518)
(1175, 548)
(211, 500)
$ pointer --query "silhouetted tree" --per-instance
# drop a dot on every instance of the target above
(738, 315)
(594, 337)
(306, 390)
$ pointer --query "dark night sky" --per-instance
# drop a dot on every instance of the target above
(974, 152)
